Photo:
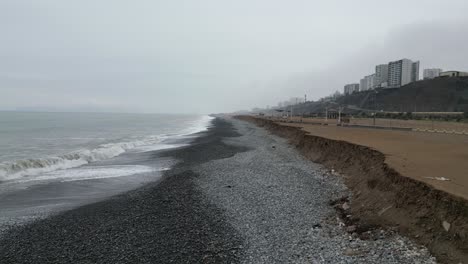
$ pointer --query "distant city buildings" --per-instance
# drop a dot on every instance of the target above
(453, 74)
(402, 72)
(351, 88)
(431, 73)
(367, 83)
(381, 75)
(391, 75)
(396, 74)
(370, 81)
(362, 84)
(291, 101)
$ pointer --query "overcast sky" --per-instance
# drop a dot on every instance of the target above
(209, 56)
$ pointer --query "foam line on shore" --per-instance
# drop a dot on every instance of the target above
(12, 170)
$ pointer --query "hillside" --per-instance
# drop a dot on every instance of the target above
(436, 95)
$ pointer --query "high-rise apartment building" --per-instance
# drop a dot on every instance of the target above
(402, 72)
(381, 75)
(367, 83)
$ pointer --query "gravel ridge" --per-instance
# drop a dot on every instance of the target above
(280, 203)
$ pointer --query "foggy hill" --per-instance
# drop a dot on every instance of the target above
(436, 95)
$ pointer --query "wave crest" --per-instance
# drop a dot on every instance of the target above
(29, 167)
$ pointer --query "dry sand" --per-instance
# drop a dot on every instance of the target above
(421, 156)
(384, 122)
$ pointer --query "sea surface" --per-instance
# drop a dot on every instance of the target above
(53, 161)
(34, 145)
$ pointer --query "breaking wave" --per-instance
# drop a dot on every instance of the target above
(28, 167)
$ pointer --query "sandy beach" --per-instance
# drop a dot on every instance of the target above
(237, 195)
(422, 156)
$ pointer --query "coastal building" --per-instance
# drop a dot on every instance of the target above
(351, 88)
(371, 81)
(431, 73)
(381, 75)
(453, 74)
(402, 72)
(367, 83)
(363, 84)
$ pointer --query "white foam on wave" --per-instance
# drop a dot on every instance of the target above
(91, 173)
(29, 167)
(156, 147)
(199, 126)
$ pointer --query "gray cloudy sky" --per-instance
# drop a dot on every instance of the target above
(211, 55)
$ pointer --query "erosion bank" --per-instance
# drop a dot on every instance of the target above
(384, 197)
(425, 157)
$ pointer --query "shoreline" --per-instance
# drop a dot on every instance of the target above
(237, 195)
(382, 196)
(34, 197)
(164, 221)
(33, 153)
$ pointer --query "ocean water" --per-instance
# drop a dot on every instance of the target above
(79, 146)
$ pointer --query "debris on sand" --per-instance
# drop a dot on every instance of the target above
(446, 225)
(438, 178)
